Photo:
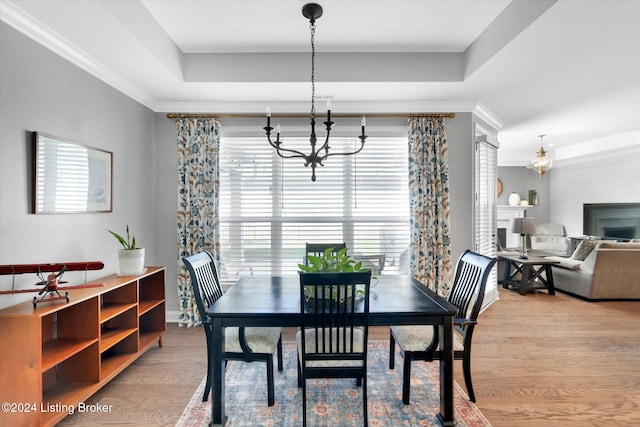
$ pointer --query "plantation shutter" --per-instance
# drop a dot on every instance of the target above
(486, 166)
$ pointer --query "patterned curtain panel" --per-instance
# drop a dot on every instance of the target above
(198, 192)
(429, 203)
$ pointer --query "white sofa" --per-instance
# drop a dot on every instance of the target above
(550, 238)
(610, 271)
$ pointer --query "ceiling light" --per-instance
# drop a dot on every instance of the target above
(311, 11)
(541, 163)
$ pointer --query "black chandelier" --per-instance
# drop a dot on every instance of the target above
(311, 11)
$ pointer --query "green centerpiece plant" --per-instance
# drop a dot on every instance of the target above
(331, 262)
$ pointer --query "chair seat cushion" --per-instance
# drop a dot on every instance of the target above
(419, 338)
(259, 340)
(310, 347)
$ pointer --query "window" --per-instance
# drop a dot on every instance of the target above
(269, 207)
(486, 222)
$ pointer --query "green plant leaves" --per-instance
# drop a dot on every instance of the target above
(129, 243)
(331, 261)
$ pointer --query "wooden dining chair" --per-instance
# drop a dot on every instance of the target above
(332, 339)
(420, 342)
(246, 344)
(317, 249)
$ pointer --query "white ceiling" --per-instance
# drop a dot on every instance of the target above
(569, 69)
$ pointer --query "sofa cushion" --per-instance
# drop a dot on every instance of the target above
(584, 249)
(549, 229)
(571, 264)
(619, 245)
(547, 243)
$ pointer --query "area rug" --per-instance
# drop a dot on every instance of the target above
(333, 402)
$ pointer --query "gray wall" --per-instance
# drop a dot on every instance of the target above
(42, 92)
(166, 204)
(460, 138)
(521, 180)
(607, 177)
(611, 176)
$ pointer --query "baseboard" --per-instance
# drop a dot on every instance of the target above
(490, 297)
(172, 316)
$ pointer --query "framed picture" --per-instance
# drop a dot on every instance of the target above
(69, 177)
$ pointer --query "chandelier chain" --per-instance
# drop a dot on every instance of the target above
(313, 69)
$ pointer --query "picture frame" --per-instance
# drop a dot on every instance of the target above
(69, 177)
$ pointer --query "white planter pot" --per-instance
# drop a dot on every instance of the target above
(131, 261)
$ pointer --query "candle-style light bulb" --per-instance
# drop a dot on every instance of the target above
(329, 110)
(268, 116)
(364, 121)
(278, 129)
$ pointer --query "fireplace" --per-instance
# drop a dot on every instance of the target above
(505, 213)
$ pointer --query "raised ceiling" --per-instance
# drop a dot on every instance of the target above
(569, 69)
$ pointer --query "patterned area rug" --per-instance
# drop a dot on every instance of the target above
(333, 402)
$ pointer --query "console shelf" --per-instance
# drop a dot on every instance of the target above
(58, 354)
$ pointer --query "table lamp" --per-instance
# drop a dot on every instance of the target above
(523, 226)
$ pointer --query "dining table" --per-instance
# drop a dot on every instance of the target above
(258, 300)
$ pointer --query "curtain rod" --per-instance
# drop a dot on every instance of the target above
(305, 115)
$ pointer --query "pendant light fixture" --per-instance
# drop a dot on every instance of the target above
(541, 163)
(312, 12)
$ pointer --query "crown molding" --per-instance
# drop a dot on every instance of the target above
(366, 107)
(26, 24)
(484, 114)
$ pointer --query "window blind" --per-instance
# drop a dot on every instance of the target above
(269, 207)
(486, 161)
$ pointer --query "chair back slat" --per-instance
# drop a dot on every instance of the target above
(205, 282)
(469, 284)
(317, 249)
(335, 311)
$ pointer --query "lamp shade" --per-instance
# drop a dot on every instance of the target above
(522, 225)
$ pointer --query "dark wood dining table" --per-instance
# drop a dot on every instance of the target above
(275, 301)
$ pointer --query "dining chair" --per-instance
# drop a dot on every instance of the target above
(332, 339)
(245, 344)
(420, 342)
(317, 249)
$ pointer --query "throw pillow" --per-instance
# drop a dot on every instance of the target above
(584, 249)
(589, 263)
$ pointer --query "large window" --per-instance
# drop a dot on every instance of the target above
(269, 207)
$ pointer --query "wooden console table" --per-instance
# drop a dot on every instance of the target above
(58, 354)
(526, 274)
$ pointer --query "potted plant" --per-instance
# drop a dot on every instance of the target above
(130, 257)
(330, 261)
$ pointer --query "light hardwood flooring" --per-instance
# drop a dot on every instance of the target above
(538, 360)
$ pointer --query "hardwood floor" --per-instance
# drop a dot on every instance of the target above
(538, 360)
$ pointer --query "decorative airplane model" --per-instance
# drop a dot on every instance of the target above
(50, 290)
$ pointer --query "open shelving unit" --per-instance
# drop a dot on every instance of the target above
(58, 354)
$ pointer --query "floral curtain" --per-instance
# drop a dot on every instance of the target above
(198, 191)
(429, 203)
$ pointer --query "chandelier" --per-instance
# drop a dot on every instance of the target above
(317, 156)
(541, 163)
